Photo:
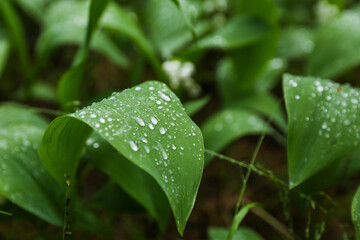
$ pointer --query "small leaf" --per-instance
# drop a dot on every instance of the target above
(5, 213)
(323, 124)
(230, 125)
(23, 179)
(336, 46)
(35, 8)
(148, 126)
(242, 233)
(196, 105)
(355, 212)
(295, 42)
(239, 217)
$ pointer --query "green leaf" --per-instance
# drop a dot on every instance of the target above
(355, 212)
(5, 213)
(239, 217)
(65, 23)
(96, 9)
(194, 106)
(336, 46)
(23, 180)
(122, 22)
(226, 126)
(4, 51)
(148, 126)
(35, 8)
(16, 33)
(240, 31)
(323, 124)
(242, 233)
(295, 42)
(136, 182)
(271, 75)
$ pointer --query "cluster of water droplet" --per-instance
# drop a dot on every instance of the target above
(148, 125)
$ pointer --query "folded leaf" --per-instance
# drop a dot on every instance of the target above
(146, 124)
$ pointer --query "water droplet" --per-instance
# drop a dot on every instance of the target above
(96, 145)
(151, 126)
(162, 130)
(173, 147)
(92, 116)
(133, 146)
(154, 120)
(297, 97)
(164, 96)
(139, 121)
(137, 88)
(102, 120)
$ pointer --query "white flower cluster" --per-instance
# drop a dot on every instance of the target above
(180, 74)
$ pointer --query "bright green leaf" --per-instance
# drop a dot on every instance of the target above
(228, 125)
(242, 233)
(23, 180)
(323, 124)
(336, 46)
(238, 218)
(136, 182)
(148, 126)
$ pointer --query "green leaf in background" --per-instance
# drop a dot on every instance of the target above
(146, 124)
(35, 8)
(121, 22)
(240, 31)
(194, 106)
(4, 51)
(336, 46)
(136, 182)
(295, 42)
(355, 212)
(23, 179)
(167, 28)
(226, 126)
(65, 23)
(5, 213)
(16, 33)
(323, 124)
(242, 233)
(250, 62)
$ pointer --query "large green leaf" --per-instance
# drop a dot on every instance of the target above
(242, 233)
(226, 126)
(323, 124)
(65, 23)
(136, 182)
(147, 125)
(355, 212)
(240, 31)
(23, 179)
(336, 46)
(4, 50)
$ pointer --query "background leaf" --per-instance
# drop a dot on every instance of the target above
(4, 51)
(148, 126)
(337, 45)
(323, 124)
(23, 179)
(355, 212)
(242, 233)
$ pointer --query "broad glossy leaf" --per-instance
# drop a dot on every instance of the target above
(23, 179)
(226, 126)
(355, 212)
(148, 126)
(4, 50)
(240, 31)
(136, 182)
(323, 124)
(65, 23)
(336, 46)
(194, 106)
(242, 233)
